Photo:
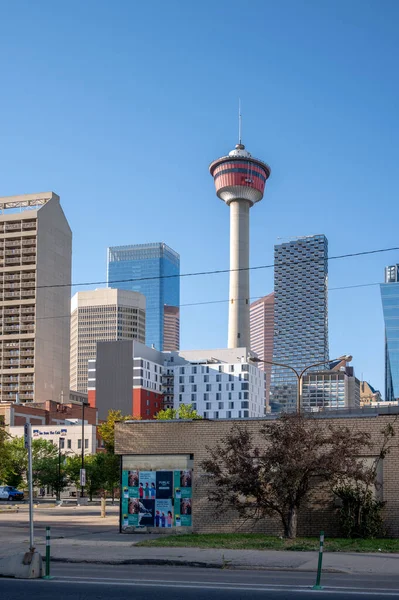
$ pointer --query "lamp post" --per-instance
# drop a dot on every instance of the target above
(300, 374)
(82, 489)
(59, 466)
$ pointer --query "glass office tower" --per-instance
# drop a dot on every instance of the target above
(300, 313)
(154, 270)
(390, 307)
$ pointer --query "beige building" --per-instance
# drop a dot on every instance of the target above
(171, 328)
(102, 315)
(35, 279)
(261, 315)
(368, 395)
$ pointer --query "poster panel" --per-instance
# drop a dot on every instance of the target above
(164, 484)
(147, 485)
(185, 512)
(164, 513)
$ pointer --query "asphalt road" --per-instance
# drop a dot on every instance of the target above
(98, 582)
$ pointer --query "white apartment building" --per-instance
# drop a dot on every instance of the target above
(218, 383)
(102, 315)
(35, 279)
(66, 437)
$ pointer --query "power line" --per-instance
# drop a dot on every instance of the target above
(344, 287)
(221, 271)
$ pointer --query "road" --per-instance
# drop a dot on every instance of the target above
(100, 582)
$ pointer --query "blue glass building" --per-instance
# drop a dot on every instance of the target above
(155, 272)
(390, 307)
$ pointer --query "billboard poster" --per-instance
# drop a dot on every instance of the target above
(182, 484)
(147, 483)
(185, 512)
(156, 498)
(163, 513)
(164, 484)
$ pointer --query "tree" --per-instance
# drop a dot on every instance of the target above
(107, 429)
(185, 411)
(275, 477)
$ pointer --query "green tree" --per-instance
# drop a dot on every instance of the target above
(185, 411)
(107, 429)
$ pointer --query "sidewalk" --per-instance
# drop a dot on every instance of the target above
(81, 536)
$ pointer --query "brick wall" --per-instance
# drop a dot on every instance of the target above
(192, 437)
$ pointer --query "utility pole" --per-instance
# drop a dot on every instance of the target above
(28, 446)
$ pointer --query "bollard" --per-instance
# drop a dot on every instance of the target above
(47, 575)
(317, 586)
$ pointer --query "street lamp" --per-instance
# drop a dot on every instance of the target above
(59, 466)
(300, 374)
(82, 489)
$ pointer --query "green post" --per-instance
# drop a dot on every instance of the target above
(47, 575)
(318, 586)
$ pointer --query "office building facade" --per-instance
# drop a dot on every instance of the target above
(35, 280)
(390, 307)
(261, 316)
(300, 313)
(102, 315)
(154, 271)
(336, 388)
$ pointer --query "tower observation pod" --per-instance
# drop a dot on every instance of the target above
(240, 182)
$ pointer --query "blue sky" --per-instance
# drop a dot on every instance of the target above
(120, 106)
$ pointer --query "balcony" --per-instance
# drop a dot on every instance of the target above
(26, 361)
(13, 226)
(28, 276)
(27, 294)
(29, 242)
(11, 311)
(12, 243)
(27, 344)
(11, 295)
(28, 311)
(12, 261)
(28, 225)
(14, 252)
(27, 327)
(10, 277)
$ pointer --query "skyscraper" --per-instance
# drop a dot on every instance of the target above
(153, 270)
(35, 280)
(240, 182)
(102, 315)
(300, 312)
(390, 306)
(261, 315)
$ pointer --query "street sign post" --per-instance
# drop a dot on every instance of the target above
(82, 477)
(28, 446)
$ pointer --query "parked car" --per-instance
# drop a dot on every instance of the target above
(10, 493)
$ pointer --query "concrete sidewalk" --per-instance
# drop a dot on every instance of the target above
(81, 536)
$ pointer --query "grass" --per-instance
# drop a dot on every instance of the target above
(257, 541)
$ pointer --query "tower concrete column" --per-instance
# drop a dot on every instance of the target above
(238, 333)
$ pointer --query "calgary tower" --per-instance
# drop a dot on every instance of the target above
(240, 182)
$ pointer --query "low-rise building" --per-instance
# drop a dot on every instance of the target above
(67, 437)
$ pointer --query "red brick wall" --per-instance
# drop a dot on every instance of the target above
(146, 403)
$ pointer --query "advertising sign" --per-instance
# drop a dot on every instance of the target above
(156, 498)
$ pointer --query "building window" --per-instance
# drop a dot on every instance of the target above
(218, 378)
(205, 415)
(69, 444)
(246, 414)
(86, 443)
(206, 378)
(62, 444)
(228, 414)
(244, 405)
(221, 406)
(193, 397)
(231, 369)
(208, 387)
(218, 396)
(194, 370)
(220, 369)
(194, 388)
(147, 412)
(181, 388)
(231, 377)
(245, 386)
(208, 405)
(216, 415)
(180, 397)
(206, 397)
(181, 370)
(230, 396)
(246, 395)
(181, 379)
(148, 403)
(191, 379)
(231, 404)
(79, 444)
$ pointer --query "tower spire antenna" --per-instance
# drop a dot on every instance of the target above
(239, 121)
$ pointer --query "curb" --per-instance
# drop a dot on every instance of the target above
(187, 563)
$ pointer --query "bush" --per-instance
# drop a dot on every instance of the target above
(360, 514)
